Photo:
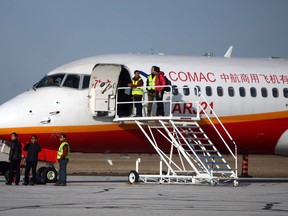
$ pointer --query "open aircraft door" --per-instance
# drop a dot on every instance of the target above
(104, 81)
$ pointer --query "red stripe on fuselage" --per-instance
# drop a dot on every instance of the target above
(252, 137)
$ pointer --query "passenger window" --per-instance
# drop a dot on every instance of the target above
(175, 90)
(285, 92)
(242, 92)
(264, 92)
(86, 81)
(197, 89)
(72, 81)
(208, 90)
(253, 92)
(275, 92)
(220, 91)
(186, 90)
(231, 92)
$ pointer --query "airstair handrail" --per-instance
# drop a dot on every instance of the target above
(169, 100)
(223, 127)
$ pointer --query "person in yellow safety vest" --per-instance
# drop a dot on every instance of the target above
(151, 90)
(63, 156)
(137, 92)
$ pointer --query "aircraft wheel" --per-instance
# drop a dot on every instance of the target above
(39, 178)
(236, 183)
(213, 182)
(49, 175)
(39, 172)
(133, 177)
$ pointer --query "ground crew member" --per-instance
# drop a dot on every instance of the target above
(32, 149)
(151, 90)
(160, 82)
(63, 156)
(137, 92)
(14, 159)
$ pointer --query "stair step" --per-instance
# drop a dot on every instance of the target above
(220, 169)
(192, 132)
(196, 139)
(205, 150)
(204, 144)
(215, 163)
(210, 157)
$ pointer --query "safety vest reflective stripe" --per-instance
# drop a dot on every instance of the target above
(151, 82)
(60, 150)
(138, 90)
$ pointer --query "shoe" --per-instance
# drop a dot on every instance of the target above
(8, 183)
(31, 184)
(16, 184)
(60, 184)
(25, 183)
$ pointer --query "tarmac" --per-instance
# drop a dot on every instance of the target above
(91, 194)
(110, 195)
(260, 166)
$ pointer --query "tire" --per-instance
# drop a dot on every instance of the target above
(49, 175)
(39, 172)
(236, 183)
(39, 178)
(133, 177)
(213, 182)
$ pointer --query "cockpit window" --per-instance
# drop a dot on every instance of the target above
(76, 81)
(86, 81)
(72, 81)
(51, 80)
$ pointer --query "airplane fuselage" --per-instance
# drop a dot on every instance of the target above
(249, 96)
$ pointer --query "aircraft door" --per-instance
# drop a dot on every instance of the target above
(102, 89)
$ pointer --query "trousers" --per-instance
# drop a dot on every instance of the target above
(14, 168)
(30, 165)
(63, 170)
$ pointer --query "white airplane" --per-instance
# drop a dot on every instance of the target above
(250, 96)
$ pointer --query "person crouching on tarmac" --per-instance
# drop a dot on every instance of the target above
(137, 92)
(63, 156)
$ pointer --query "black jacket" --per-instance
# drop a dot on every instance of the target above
(32, 151)
(15, 150)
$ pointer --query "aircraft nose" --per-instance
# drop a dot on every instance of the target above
(10, 114)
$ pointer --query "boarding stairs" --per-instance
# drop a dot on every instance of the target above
(188, 154)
